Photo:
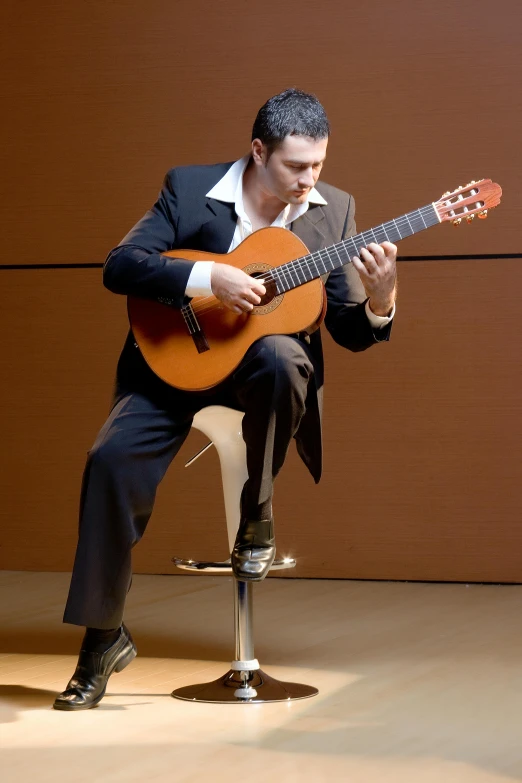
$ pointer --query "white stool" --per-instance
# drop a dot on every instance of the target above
(245, 681)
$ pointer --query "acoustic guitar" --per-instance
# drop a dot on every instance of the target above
(199, 345)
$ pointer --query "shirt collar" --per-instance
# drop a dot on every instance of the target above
(230, 189)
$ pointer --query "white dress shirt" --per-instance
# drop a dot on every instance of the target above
(230, 189)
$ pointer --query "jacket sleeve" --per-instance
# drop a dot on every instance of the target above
(346, 318)
(137, 267)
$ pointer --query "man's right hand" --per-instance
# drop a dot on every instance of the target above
(237, 290)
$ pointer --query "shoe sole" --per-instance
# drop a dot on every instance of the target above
(66, 707)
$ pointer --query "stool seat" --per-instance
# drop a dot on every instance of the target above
(245, 681)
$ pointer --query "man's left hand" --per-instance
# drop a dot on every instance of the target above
(378, 273)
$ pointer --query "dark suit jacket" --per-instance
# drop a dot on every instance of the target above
(183, 217)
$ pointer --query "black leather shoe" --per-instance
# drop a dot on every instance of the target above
(87, 687)
(254, 550)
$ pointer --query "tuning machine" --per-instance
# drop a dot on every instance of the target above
(483, 215)
(457, 222)
(470, 218)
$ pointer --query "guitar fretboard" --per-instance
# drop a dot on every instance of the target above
(302, 270)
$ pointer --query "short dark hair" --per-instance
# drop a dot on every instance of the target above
(291, 113)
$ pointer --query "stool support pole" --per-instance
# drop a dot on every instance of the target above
(244, 621)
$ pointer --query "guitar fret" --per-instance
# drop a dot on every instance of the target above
(287, 280)
(421, 217)
(292, 274)
(354, 251)
(308, 271)
(282, 284)
(409, 224)
(312, 259)
(325, 259)
(397, 229)
(302, 271)
(338, 255)
(380, 229)
(318, 261)
(321, 259)
(288, 275)
(391, 231)
(275, 273)
(383, 229)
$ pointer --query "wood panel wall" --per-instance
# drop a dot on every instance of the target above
(422, 435)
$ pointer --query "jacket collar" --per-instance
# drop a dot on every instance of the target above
(229, 188)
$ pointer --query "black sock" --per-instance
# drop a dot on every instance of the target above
(99, 640)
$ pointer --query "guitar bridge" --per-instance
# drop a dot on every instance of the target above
(195, 330)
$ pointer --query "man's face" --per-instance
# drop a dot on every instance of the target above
(292, 169)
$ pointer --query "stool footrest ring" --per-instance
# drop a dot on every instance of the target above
(224, 566)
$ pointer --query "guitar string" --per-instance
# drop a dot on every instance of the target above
(277, 274)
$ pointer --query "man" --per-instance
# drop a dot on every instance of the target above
(278, 384)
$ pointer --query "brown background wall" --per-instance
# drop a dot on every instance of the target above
(422, 436)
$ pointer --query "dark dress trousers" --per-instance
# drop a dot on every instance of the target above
(278, 384)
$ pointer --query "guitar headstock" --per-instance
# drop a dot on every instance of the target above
(466, 202)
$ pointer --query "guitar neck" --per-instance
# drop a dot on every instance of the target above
(302, 270)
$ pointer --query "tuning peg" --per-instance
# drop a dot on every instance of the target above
(483, 215)
(470, 218)
(457, 222)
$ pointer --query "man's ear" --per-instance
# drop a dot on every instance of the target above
(259, 152)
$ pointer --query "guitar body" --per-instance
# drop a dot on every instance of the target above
(199, 361)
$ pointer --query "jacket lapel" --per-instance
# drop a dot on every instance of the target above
(217, 228)
(311, 227)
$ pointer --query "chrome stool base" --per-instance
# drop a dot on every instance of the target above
(248, 687)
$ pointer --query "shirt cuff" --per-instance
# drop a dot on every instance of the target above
(198, 283)
(377, 321)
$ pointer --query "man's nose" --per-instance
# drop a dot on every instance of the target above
(306, 180)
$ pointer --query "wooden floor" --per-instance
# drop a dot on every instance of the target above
(419, 683)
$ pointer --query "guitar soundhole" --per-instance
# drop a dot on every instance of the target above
(271, 299)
